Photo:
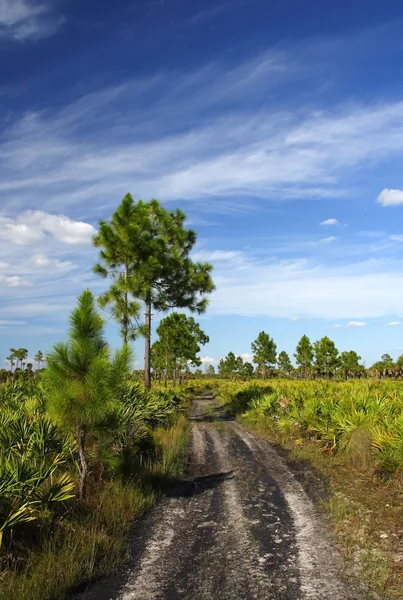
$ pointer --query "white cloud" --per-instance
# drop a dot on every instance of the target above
(394, 323)
(31, 228)
(54, 264)
(27, 20)
(207, 360)
(329, 222)
(13, 281)
(247, 357)
(336, 326)
(396, 238)
(294, 319)
(390, 197)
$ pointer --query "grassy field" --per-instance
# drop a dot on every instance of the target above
(51, 540)
(345, 440)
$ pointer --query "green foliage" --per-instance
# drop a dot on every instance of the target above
(264, 353)
(17, 357)
(304, 354)
(33, 455)
(362, 419)
(119, 254)
(39, 358)
(153, 247)
(230, 366)
(134, 441)
(349, 364)
(81, 374)
(284, 363)
(326, 357)
(81, 377)
(178, 345)
(246, 371)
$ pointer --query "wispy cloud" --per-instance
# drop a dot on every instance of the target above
(354, 292)
(394, 324)
(349, 324)
(324, 241)
(24, 20)
(329, 222)
(116, 140)
(211, 13)
(216, 255)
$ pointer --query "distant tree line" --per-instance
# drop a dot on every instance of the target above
(320, 359)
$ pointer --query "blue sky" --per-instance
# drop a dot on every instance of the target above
(276, 126)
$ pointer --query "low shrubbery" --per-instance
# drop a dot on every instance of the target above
(51, 540)
(350, 417)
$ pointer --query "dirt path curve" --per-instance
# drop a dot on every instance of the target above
(241, 528)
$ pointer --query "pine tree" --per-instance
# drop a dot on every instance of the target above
(349, 364)
(153, 250)
(264, 353)
(179, 342)
(284, 363)
(230, 366)
(326, 356)
(304, 354)
(81, 377)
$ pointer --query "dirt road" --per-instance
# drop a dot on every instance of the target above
(240, 528)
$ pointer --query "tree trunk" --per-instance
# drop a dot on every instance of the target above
(166, 372)
(81, 437)
(126, 315)
(147, 355)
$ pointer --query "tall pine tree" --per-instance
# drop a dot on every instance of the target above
(151, 252)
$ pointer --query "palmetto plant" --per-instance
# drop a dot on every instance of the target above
(33, 457)
(340, 417)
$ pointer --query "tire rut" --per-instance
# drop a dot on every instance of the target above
(242, 528)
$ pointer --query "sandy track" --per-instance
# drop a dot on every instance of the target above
(240, 528)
